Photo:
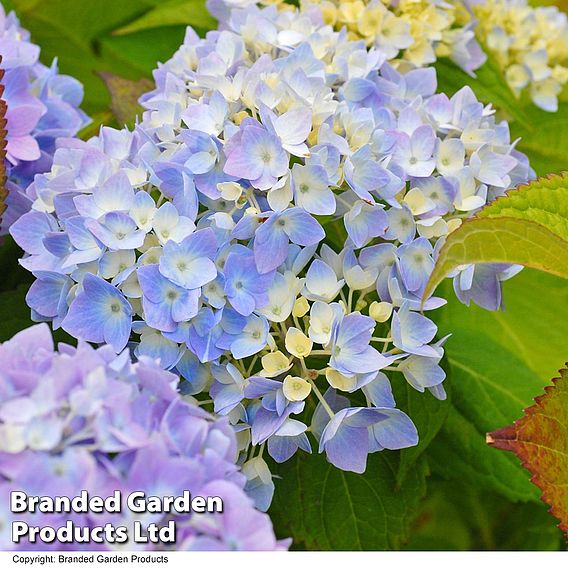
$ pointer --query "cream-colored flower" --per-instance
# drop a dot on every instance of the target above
(380, 311)
(339, 381)
(301, 307)
(274, 364)
(297, 343)
(295, 388)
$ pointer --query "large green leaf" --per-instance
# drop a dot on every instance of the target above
(324, 508)
(172, 13)
(428, 415)
(544, 138)
(499, 362)
(544, 201)
(80, 35)
(457, 516)
(459, 452)
(68, 30)
(489, 384)
(529, 226)
(138, 54)
(533, 323)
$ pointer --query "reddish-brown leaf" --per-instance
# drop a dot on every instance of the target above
(3, 142)
(540, 440)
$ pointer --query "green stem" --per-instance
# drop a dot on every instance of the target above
(321, 399)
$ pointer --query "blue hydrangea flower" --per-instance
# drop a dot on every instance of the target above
(99, 313)
(267, 231)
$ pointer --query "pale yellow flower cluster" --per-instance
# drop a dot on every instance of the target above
(530, 45)
(413, 31)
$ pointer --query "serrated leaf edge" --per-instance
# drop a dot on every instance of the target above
(3, 144)
(549, 181)
(503, 437)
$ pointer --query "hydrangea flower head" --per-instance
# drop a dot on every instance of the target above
(280, 209)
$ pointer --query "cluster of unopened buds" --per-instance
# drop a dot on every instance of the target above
(267, 232)
(530, 45)
(83, 419)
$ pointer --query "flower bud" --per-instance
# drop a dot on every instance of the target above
(296, 389)
(380, 311)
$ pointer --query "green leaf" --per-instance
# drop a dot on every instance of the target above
(498, 364)
(457, 516)
(138, 54)
(124, 97)
(529, 226)
(79, 34)
(460, 452)
(544, 201)
(325, 508)
(486, 392)
(533, 300)
(172, 13)
(544, 138)
(540, 440)
(428, 415)
(68, 30)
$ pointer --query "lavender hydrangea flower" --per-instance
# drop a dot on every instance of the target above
(42, 107)
(84, 419)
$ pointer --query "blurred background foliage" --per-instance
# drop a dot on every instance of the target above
(460, 494)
